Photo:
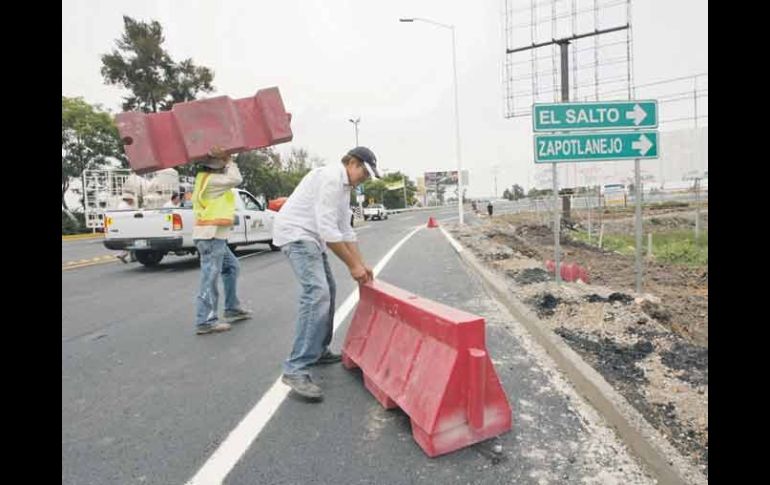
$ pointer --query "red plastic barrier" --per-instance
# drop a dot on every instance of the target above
(568, 271)
(187, 132)
(431, 361)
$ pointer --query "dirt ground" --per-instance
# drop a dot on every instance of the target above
(683, 290)
(652, 347)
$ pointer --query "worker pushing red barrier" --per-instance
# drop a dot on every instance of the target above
(431, 361)
(186, 133)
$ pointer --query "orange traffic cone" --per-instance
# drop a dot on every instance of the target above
(432, 222)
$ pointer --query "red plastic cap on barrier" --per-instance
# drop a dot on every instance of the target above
(432, 222)
(186, 133)
(431, 361)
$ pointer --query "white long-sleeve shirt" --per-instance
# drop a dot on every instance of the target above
(318, 210)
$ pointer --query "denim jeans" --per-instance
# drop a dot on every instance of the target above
(315, 317)
(216, 260)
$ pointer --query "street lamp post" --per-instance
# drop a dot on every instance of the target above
(457, 112)
(355, 123)
(359, 189)
(403, 181)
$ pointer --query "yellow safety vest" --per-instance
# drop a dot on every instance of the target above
(219, 211)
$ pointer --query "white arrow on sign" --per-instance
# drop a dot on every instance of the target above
(643, 145)
(638, 114)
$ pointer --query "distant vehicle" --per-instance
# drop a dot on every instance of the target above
(375, 211)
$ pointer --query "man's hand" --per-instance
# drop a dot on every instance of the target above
(360, 273)
(348, 253)
(218, 153)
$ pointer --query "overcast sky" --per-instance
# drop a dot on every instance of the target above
(337, 59)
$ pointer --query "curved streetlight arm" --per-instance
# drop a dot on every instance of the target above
(457, 113)
(420, 19)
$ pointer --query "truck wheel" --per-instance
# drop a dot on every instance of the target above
(149, 257)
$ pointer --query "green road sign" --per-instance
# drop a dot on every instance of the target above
(595, 147)
(605, 115)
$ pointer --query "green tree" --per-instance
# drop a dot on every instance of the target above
(533, 192)
(295, 167)
(266, 172)
(377, 190)
(517, 192)
(394, 198)
(374, 191)
(141, 65)
(507, 194)
(89, 139)
(257, 171)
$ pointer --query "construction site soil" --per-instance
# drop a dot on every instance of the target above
(652, 347)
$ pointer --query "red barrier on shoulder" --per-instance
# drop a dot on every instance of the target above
(431, 361)
(568, 271)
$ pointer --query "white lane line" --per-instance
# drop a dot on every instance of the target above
(225, 457)
(254, 254)
(452, 241)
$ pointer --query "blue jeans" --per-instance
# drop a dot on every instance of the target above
(315, 317)
(216, 260)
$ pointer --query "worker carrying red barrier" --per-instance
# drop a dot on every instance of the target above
(189, 131)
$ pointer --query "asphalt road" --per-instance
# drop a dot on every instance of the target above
(145, 400)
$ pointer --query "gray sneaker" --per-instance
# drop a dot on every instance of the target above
(303, 385)
(237, 315)
(213, 328)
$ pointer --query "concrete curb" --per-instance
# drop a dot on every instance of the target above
(663, 461)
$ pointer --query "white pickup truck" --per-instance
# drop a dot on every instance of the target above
(375, 211)
(153, 233)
